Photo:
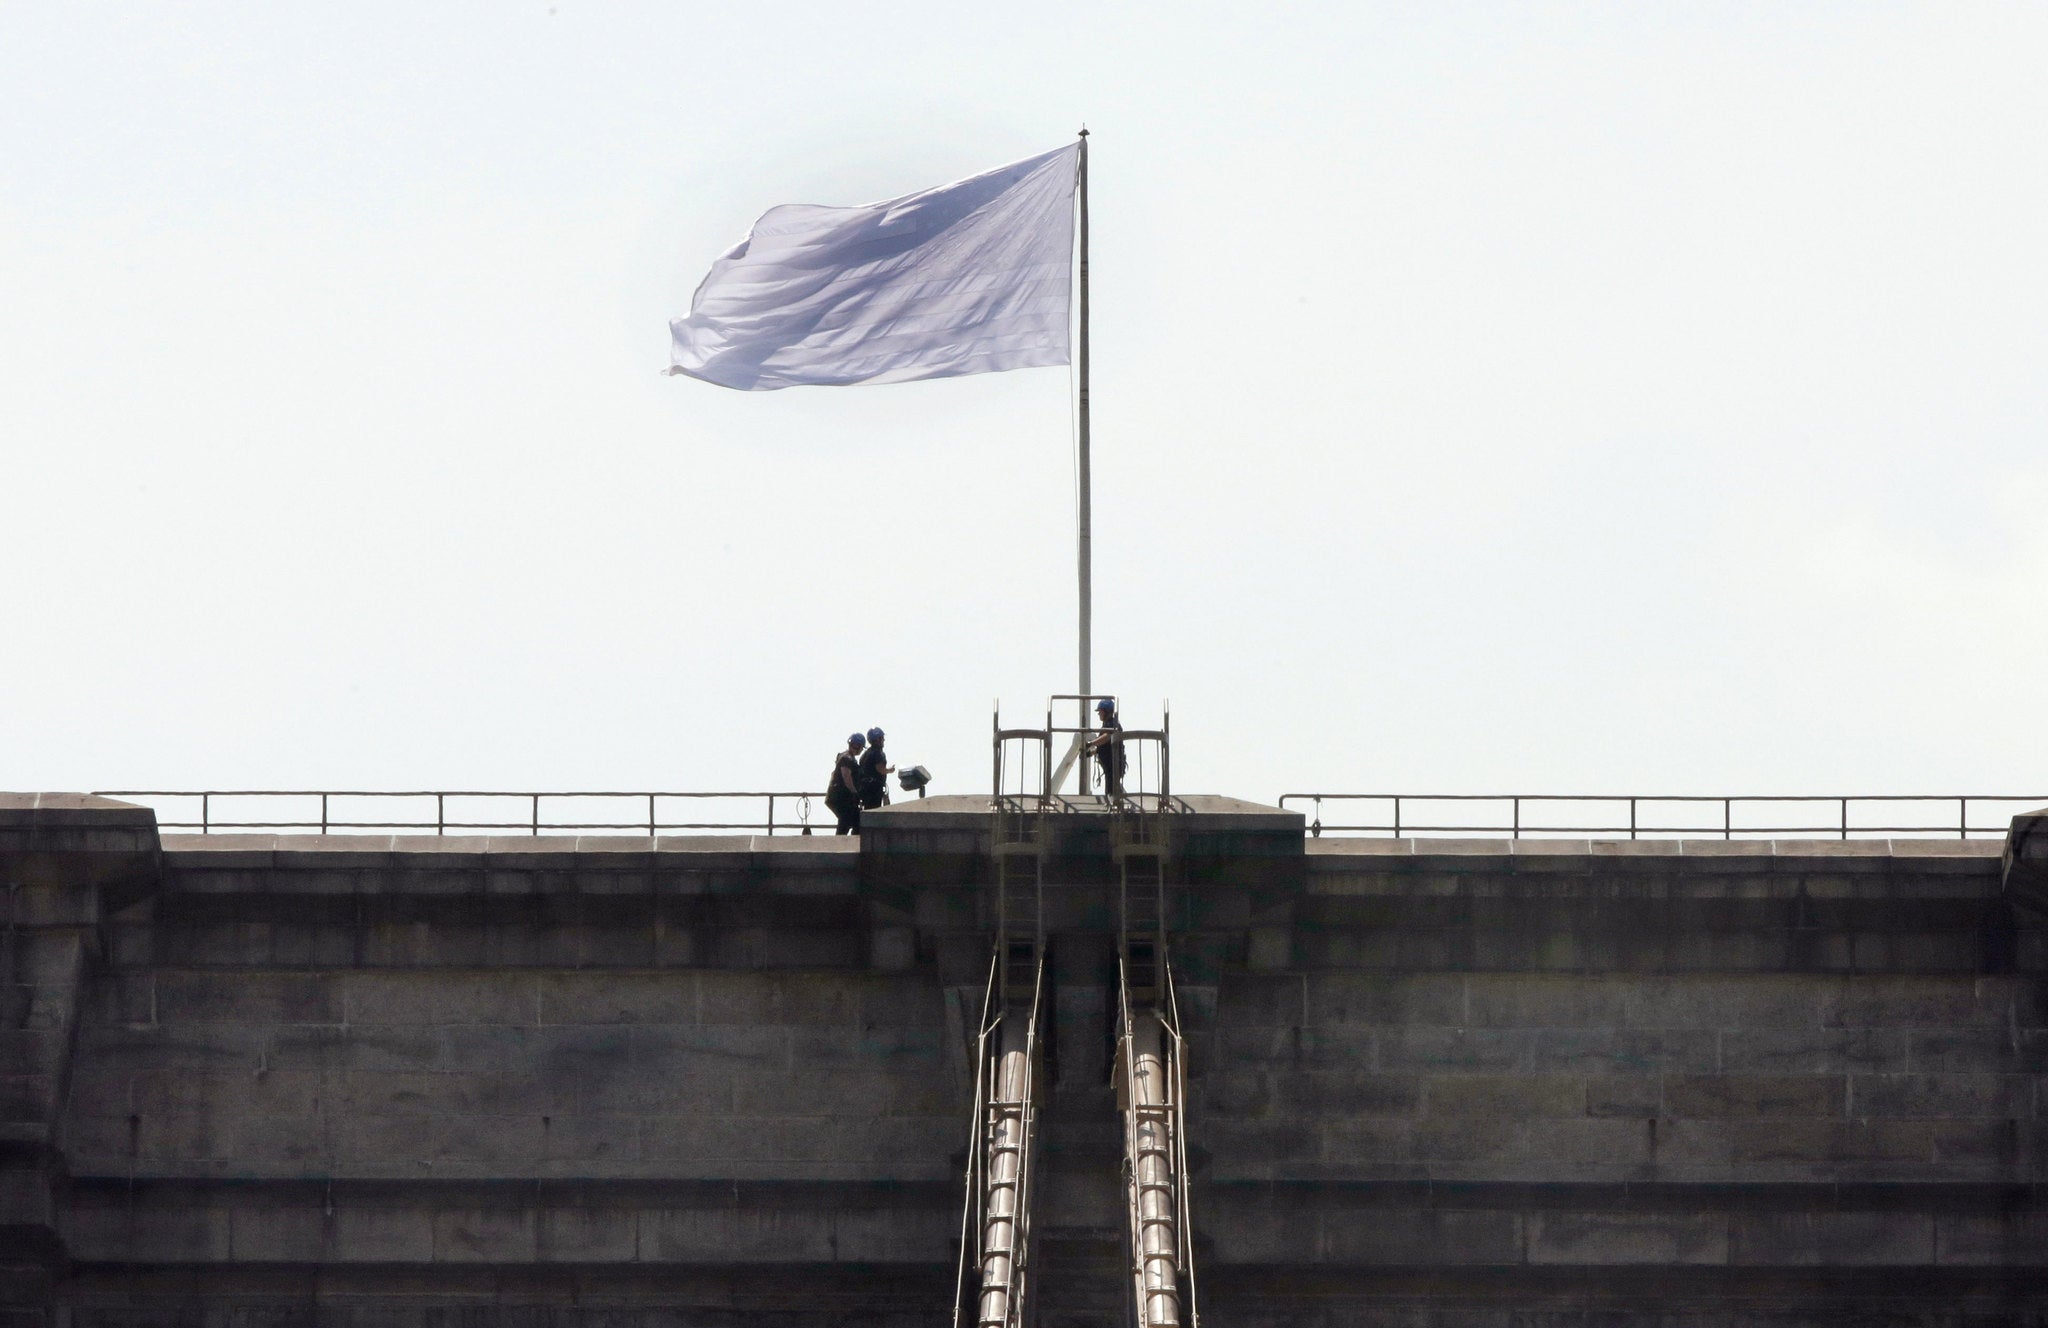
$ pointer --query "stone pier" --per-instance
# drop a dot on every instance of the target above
(723, 1081)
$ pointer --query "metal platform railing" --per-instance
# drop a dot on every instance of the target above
(468, 811)
(1674, 816)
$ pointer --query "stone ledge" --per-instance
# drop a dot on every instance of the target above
(1719, 851)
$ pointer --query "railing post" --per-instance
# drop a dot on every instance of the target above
(1516, 801)
(323, 813)
(1962, 818)
(1727, 818)
(771, 813)
(1845, 819)
(1631, 818)
(650, 816)
(206, 813)
(440, 813)
(534, 802)
(1397, 816)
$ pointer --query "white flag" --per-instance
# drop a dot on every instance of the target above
(965, 278)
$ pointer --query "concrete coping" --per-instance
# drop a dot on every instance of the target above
(1705, 850)
(72, 810)
(254, 851)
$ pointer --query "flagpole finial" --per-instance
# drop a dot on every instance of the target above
(1084, 131)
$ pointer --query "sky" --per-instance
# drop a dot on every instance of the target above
(1487, 397)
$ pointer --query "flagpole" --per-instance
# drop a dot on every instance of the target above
(1081, 446)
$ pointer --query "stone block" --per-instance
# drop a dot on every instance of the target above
(711, 1235)
(586, 1235)
(1968, 1095)
(1975, 1051)
(1245, 1233)
(1516, 1097)
(227, 1092)
(417, 1145)
(1240, 1148)
(1905, 1001)
(1381, 1000)
(1421, 1237)
(469, 1047)
(361, 1047)
(26, 1098)
(1643, 1238)
(1567, 1149)
(1753, 1096)
(1833, 1239)
(889, 1001)
(2011, 1240)
(1269, 948)
(728, 997)
(843, 1091)
(442, 998)
(125, 1234)
(1439, 1049)
(1261, 1000)
(892, 949)
(1370, 1140)
(383, 1234)
(417, 1092)
(1623, 1051)
(1232, 1092)
(638, 1088)
(251, 1146)
(1636, 1096)
(584, 1142)
(618, 998)
(1343, 1093)
(1497, 1000)
(1826, 1150)
(1465, 1139)
(1812, 1050)
(1759, 1000)
(896, 1234)
(279, 1235)
(248, 999)
(485, 1235)
(1982, 1148)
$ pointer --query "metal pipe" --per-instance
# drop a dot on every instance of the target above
(1003, 1229)
(1154, 1189)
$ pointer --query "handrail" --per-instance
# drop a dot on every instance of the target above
(1664, 822)
(324, 818)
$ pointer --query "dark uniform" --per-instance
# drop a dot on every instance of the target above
(844, 802)
(874, 776)
(1108, 750)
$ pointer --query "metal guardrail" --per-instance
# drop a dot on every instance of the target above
(1512, 815)
(336, 811)
(1677, 816)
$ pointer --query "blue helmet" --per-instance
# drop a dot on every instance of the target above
(1104, 706)
(876, 735)
(855, 740)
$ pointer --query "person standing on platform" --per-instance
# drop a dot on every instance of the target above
(842, 795)
(874, 772)
(1107, 747)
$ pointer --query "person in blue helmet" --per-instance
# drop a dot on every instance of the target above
(875, 770)
(842, 795)
(1107, 747)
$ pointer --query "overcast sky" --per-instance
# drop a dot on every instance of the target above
(1487, 397)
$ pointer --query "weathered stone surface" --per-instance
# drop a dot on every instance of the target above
(1434, 1083)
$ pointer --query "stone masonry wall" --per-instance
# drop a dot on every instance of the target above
(691, 1082)
(1729, 1083)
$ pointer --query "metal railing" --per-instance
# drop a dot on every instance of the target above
(443, 812)
(1676, 816)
